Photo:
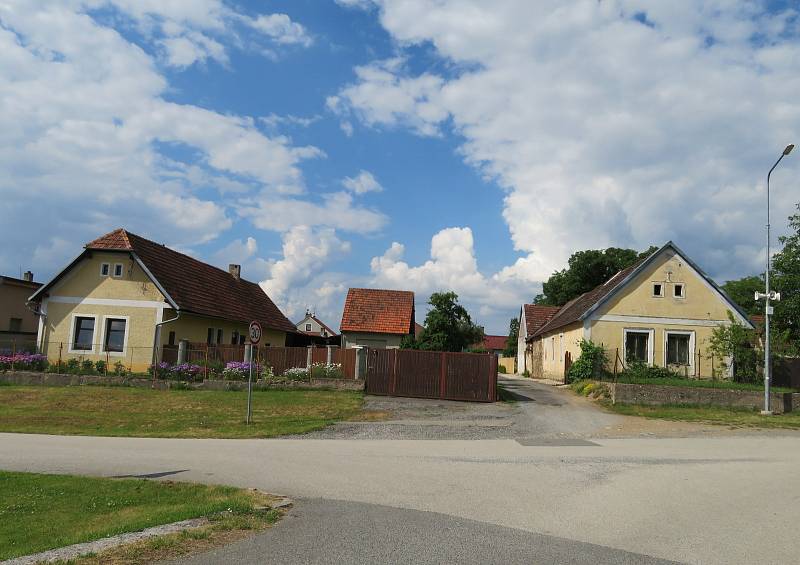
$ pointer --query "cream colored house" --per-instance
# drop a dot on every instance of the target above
(531, 318)
(660, 311)
(125, 296)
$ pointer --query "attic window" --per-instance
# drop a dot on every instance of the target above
(658, 289)
(117, 270)
(105, 269)
(308, 327)
(679, 291)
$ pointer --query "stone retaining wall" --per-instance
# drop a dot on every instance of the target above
(624, 393)
(56, 379)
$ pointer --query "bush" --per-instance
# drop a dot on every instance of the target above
(526, 373)
(215, 367)
(100, 367)
(501, 369)
(185, 372)
(590, 365)
(23, 361)
(639, 370)
(239, 371)
(87, 367)
(326, 371)
(119, 369)
(296, 374)
(72, 366)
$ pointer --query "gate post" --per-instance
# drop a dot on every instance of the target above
(309, 357)
(359, 349)
(183, 345)
(330, 354)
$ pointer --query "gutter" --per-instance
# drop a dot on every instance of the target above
(156, 335)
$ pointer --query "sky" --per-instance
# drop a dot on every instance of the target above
(410, 144)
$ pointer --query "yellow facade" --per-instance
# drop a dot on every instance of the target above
(88, 291)
(650, 306)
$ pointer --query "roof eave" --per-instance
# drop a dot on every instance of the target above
(159, 286)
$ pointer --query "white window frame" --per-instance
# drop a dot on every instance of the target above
(72, 335)
(309, 327)
(121, 271)
(650, 339)
(108, 274)
(653, 289)
(692, 352)
(674, 288)
(124, 339)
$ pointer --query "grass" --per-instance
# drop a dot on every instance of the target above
(698, 383)
(41, 512)
(736, 417)
(123, 411)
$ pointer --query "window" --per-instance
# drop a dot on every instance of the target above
(234, 337)
(15, 325)
(115, 335)
(678, 349)
(83, 335)
(658, 289)
(637, 346)
(118, 270)
(219, 336)
(241, 340)
(678, 290)
(210, 336)
(171, 338)
(105, 269)
(308, 327)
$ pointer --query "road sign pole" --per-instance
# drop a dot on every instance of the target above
(250, 389)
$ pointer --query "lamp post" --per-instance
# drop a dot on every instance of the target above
(769, 295)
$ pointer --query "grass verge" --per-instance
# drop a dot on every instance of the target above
(123, 411)
(41, 512)
(735, 417)
(699, 383)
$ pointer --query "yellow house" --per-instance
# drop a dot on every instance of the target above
(125, 297)
(661, 311)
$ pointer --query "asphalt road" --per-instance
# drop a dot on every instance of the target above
(535, 499)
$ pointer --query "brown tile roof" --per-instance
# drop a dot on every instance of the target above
(197, 287)
(378, 311)
(574, 310)
(491, 342)
(536, 316)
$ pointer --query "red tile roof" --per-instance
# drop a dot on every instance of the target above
(536, 316)
(197, 287)
(378, 311)
(492, 342)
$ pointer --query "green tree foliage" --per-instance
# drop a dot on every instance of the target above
(586, 270)
(735, 344)
(590, 365)
(448, 326)
(513, 335)
(742, 292)
(786, 280)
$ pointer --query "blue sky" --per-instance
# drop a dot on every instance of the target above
(483, 146)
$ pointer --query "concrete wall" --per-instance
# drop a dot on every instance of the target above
(507, 362)
(663, 395)
(376, 340)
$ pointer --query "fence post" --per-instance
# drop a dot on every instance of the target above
(183, 345)
(493, 379)
(443, 379)
(396, 362)
(330, 354)
(358, 349)
(106, 367)
(60, 348)
(205, 368)
(309, 355)
(13, 352)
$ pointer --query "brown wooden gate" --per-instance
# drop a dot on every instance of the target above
(432, 374)
(567, 365)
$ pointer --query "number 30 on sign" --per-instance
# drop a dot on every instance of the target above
(255, 333)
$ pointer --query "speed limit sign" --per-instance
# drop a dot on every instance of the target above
(255, 333)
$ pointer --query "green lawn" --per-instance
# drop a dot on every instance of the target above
(699, 383)
(41, 512)
(123, 411)
(738, 417)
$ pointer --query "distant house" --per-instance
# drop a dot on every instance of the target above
(377, 318)
(660, 311)
(124, 296)
(531, 318)
(18, 323)
(493, 344)
(313, 326)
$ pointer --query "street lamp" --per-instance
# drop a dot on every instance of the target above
(769, 295)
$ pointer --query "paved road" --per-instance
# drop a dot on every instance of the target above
(555, 489)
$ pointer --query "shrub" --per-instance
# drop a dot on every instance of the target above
(23, 361)
(72, 366)
(161, 370)
(87, 367)
(296, 374)
(326, 371)
(119, 369)
(590, 365)
(100, 367)
(239, 371)
(639, 370)
(216, 367)
(501, 369)
(526, 373)
(185, 372)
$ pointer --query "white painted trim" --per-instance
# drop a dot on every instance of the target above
(682, 296)
(661, 321)
(691, 335)
(121, 271)
(107, 302)
(650, 339)
(72, 335)
(652, 289)
(124, 339)
(101, 269)
(40, 335)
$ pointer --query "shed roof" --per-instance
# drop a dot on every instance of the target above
(378, 311)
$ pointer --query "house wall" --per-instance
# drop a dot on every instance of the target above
(195, 329)
(521, 354)
(316, 327)
(555, 345)
(697, 314)
(376, 340)
(534, 358)
(12, 305)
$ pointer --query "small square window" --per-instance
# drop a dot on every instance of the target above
(118, 270)
(679, 291)
(308, 327)
(658, 289)
(105, 269)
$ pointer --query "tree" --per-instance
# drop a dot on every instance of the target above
(742, 292)
(448, 326)
(786, 280)
(735, 344)
(513, 336)
(586, 270)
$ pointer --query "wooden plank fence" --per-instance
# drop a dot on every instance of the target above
(432, 374)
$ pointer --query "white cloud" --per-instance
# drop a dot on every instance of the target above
(237, 251)
(281, 29)
(306, 254)
(362, 183)
(603, 130)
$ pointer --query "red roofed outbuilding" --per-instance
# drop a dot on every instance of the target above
(376, 317)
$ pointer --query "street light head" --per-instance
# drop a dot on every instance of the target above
(788, 149)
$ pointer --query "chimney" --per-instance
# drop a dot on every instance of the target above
(28, 276)
(235, 271)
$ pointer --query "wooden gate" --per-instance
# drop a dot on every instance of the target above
(432, 374)
(567, 365)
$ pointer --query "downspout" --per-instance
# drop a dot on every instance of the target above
(156, 335)
(42, 323)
